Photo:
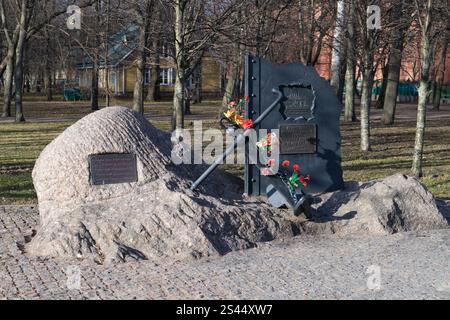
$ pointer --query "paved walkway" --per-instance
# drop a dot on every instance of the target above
(402, 266)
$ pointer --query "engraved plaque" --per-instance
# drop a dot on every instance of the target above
(299, 102)
(298, 138)
(112, 168)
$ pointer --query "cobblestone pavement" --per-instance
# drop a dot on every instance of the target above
(411, 265)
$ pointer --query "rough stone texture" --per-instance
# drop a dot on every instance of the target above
(159, 218)
(396, 203)
(156, 217)
(412, 265)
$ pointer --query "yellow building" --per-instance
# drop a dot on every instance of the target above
(122, 69)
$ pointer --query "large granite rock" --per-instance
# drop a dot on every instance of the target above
(396, 203)
(158, 217)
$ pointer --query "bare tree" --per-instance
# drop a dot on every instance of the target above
(425, 15)
(197, 24)
(314, 21)
(143, 13)
(394, 63)
(26, 10)
(8, 61)
(338, 46)
(349, 103)
(369, 44)
(441, 68)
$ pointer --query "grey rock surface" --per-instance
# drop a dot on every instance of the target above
(386, 206)
(159, 218)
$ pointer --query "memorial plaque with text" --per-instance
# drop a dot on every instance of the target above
(299, 102)
(112, 168)
(298, 138)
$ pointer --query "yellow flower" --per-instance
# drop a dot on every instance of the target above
(239, 119)
(230, 113)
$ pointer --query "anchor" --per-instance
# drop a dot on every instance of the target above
(278, 191)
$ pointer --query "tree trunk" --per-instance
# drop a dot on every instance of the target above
(48, 79)
(48, 85)
(231, 84)
(394, 66)
(198, 84)
(18, 68)
(390, 95)
(380, 100)
(95, 63)
(432, 78)
(48, 68)
(338, 48)
(107, 89)
(94, 86)
(154, 86)
(138, 94)
(367, 82)
(349, 103)
(440, 77)
(187, 101)
(423, 93)
(178, 100)
(179, 89)
(232, 79)
(8, 84)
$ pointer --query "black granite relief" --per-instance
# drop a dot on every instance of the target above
(307, 117)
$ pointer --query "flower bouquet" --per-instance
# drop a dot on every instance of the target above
(234, 116)
(292, 182)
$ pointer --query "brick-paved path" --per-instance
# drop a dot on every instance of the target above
(412, 265)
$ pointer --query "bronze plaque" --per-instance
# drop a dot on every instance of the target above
(299, 102)
(298, 138)
(112, 168)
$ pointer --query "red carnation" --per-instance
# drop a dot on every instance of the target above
(296, 168)
(248, 123)
(286, 163)
(303, 181)
(271, 162)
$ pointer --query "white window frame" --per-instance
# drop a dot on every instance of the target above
(147, 76)
(167, 76)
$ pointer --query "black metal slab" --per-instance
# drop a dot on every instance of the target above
(309, 100)
(112, 168)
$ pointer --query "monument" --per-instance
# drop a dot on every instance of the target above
(109, 192)
(307, 118)
(301, 107)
